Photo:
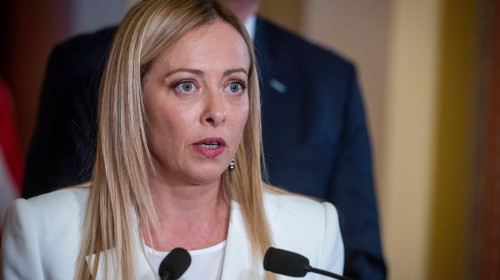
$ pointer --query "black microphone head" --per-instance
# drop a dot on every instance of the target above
(286, 263)
(175, 264)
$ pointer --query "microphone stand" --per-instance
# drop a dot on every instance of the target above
(166, 276)
(326, 273)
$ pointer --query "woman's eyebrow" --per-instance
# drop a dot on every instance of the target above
(199, 72)
(193, 71)
(231, 71)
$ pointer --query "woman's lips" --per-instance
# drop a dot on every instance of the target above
(210, 147)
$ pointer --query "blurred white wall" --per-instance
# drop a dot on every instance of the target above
(406, 174)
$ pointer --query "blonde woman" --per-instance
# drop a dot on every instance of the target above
(177, 165)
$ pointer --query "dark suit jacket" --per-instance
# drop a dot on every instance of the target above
(314, 130)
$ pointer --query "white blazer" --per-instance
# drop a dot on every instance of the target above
(42, 236)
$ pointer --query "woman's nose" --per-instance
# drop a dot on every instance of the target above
(215, 109)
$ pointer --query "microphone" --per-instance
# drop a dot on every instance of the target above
(174, 264)
(292, 264)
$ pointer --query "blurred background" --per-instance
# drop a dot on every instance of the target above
(430, 74)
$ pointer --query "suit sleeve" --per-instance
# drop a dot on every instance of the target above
(62, 150)
(20, 250)
(353, 193)
(332, 254)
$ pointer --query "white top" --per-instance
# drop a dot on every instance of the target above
(205, 263)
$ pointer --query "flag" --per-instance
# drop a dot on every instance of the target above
(11, 160)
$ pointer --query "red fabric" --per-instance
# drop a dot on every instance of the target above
(8, 139)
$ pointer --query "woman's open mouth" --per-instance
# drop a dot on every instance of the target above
(210, 147)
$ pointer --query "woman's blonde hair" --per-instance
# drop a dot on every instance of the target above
(120, 202)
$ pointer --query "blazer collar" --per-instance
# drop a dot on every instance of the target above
(143, 271)
(261, 44)
(143, 268)
(237, 263)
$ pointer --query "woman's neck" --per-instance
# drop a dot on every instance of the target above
(190, 216)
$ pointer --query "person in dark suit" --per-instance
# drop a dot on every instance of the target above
(314, 129)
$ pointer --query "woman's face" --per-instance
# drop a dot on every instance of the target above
(196, 99)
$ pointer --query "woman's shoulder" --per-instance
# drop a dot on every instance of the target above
(306, 226)
(43, 234)
(69, 199)
(303, 209)
(307, 216)
(64, 207)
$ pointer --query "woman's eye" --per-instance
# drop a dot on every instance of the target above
(235, 87)
(185, 87)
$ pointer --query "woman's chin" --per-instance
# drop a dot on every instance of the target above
(205, 175)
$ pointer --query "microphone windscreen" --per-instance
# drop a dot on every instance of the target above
(285, 262)
(175, 264)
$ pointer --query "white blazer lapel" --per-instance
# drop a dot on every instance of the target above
(144, 271)
(237, 263)
(143, 268)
